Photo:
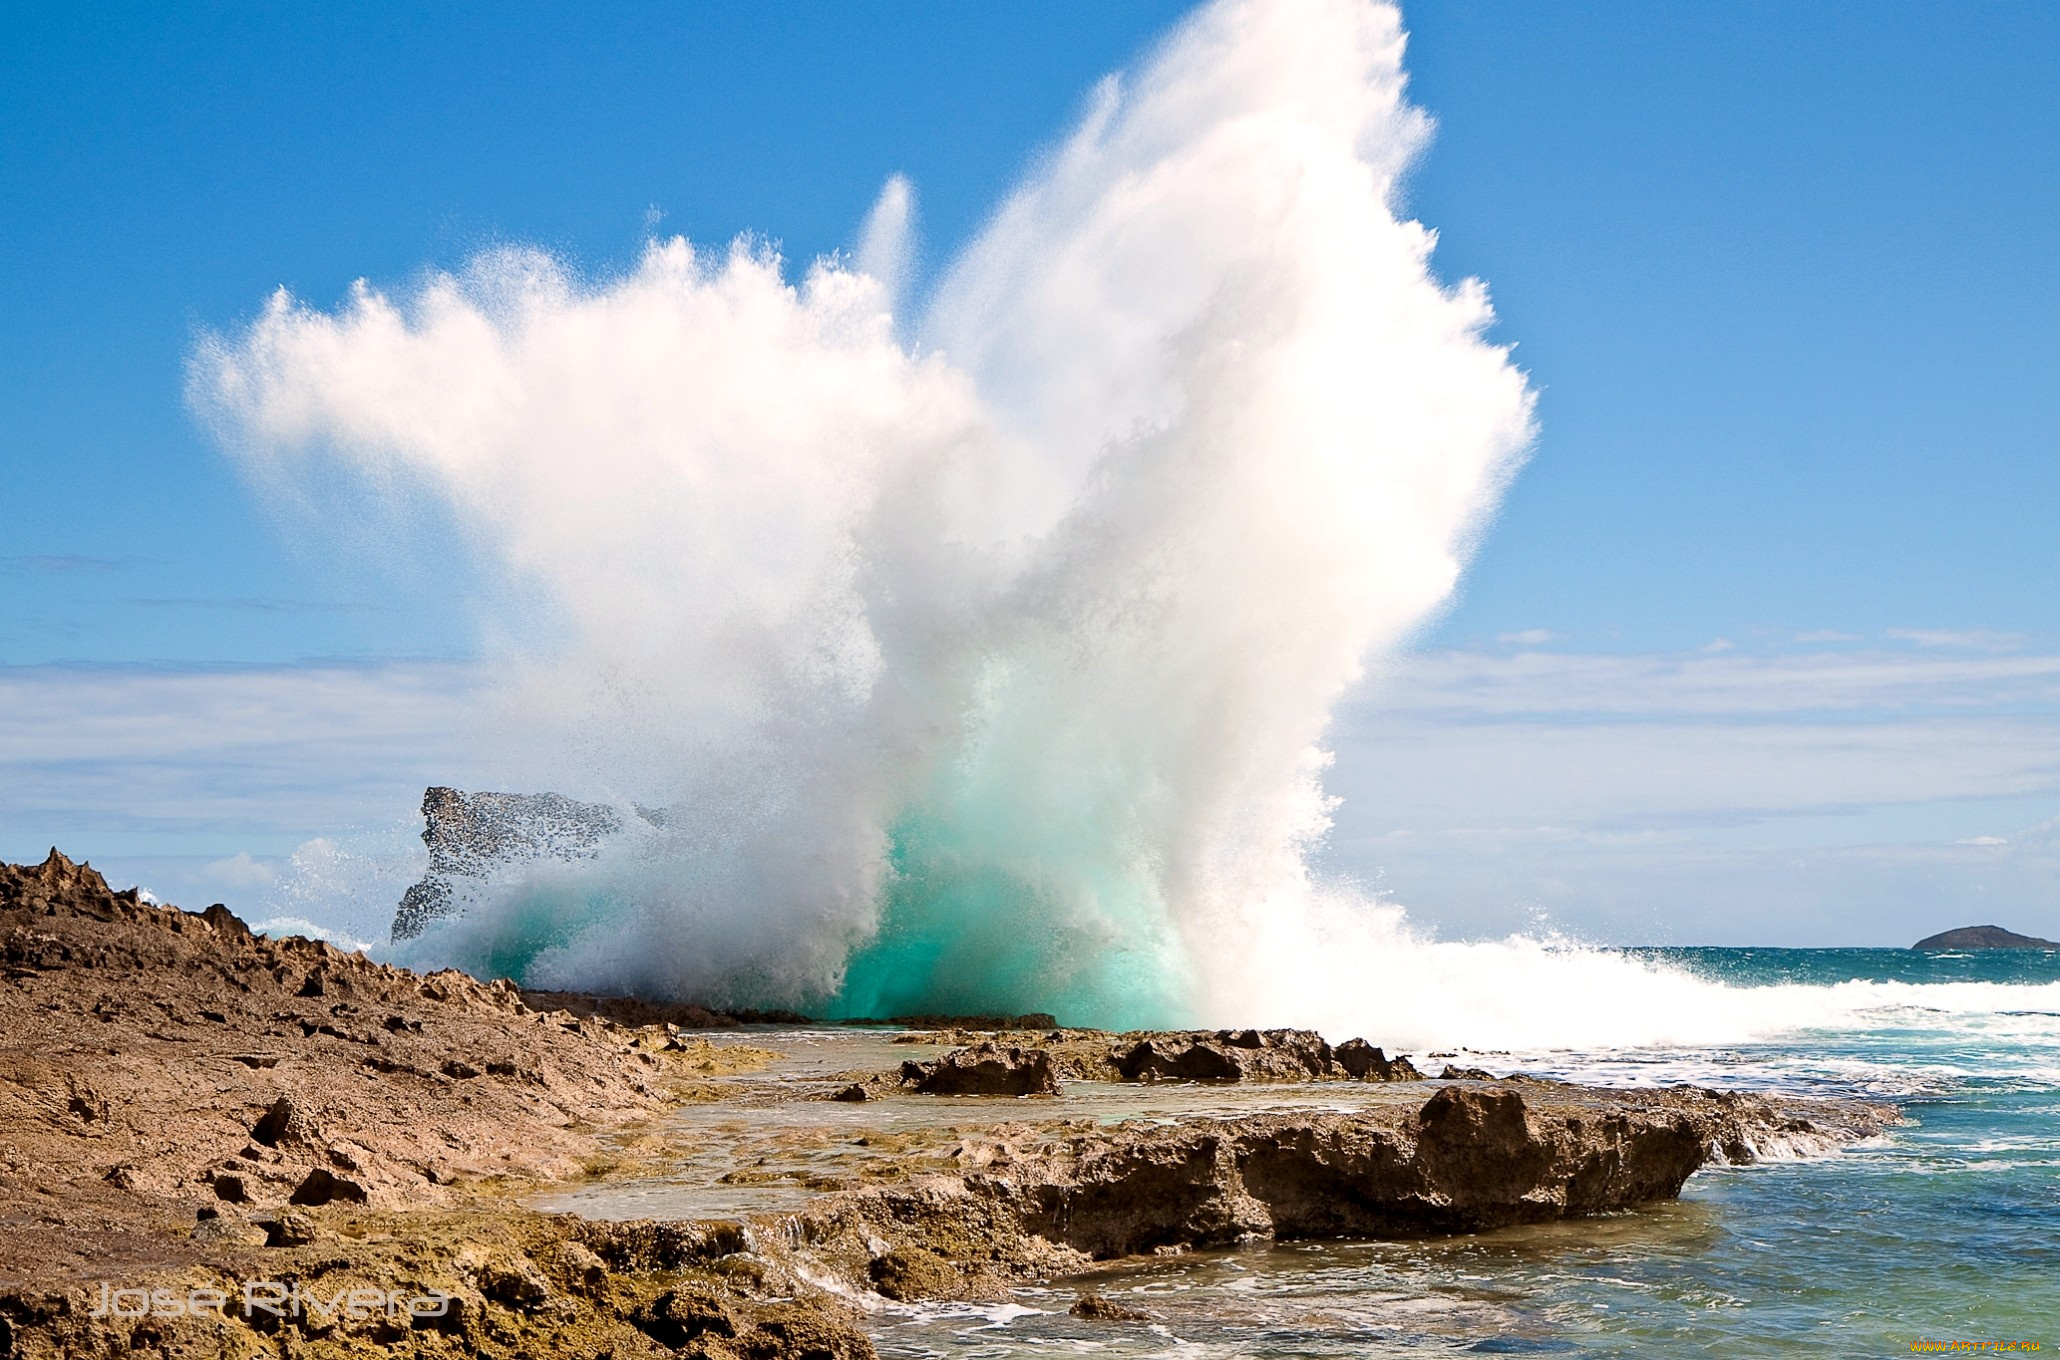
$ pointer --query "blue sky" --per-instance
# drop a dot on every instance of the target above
(1784, 276)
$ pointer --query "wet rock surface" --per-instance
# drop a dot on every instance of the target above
(1100, 1308)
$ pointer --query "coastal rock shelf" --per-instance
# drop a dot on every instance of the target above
(1221, 1055)
(185, 1106)
(1030, 1199)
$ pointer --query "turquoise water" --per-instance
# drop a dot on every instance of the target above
(1947, 1229)
(962, 935)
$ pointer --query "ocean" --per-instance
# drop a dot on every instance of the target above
(1946, 1230)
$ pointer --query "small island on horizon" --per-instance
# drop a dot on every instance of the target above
(1982, 937)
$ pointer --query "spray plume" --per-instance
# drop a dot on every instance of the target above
(982, 658)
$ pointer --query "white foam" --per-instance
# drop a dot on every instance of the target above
(279, 927)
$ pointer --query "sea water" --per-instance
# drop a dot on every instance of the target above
(1946, 1229)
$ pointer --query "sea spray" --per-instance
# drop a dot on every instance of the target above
(981, 658)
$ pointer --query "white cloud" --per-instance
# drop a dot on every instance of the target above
(244, 871)
(228, 764)
(1736, 686)
(1530, 637)
(1735, 797)
(1963, 639)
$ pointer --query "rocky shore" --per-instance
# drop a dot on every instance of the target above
(190, 1109)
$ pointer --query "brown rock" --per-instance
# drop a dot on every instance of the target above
(914, 1273)
(285, 1122)
(179, 1042)
(691, 1313)
(1466, 1160)
(991, 1023)
(225, 921)
(578, 1265)
(1188, 1060)
(517, 1283)
(1366, 1062)
(1227, 1055)
(1102, 1308)
(323, 1186)
(795, 1331)
(228, 1232)
(289, 1230)
(985, 1069)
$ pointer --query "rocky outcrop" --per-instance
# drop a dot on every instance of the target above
(1030, 1200)
(1221, 1055)
(1366, 1062)
(1982, 937)
(159, 1061)
(472, 836)
(985, 1069)
(1228, 1055)
(1465, 1160)
(185, 1106)
(1100, 1308)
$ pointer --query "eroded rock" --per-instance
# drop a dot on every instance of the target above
(985, 1069)
(1366, 1062)
(155, 1061)
(1228, 1055)
(1465, 1160)
(914, 1273)
(1102, 1308)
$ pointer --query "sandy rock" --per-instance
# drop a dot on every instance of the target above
(289, 1230)
(517, 1282)
(578, 1265)
(227, 1231)
(156, 1062)
(285, 1121)
(323, 1186)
